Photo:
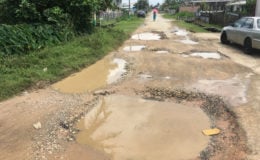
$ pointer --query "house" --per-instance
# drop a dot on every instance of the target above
(192, 9)
(211, 5)
(117, 2)
(235, 7)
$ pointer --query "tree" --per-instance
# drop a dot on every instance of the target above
(171, 4)
(142, 5)
(77, 13)
(250, 7)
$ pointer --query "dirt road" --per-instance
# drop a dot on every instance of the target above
(168, 86)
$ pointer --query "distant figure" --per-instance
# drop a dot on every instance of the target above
(155, 11)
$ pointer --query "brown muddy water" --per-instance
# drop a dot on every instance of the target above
(98, 75)
(133, 128)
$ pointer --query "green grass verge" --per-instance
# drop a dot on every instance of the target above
(190, 26)
(20, 72)
(128, 25)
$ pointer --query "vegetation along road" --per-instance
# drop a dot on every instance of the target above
(150, 98)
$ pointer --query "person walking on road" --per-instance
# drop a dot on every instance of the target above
(155, 11)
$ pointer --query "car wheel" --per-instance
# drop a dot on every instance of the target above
(223, 38)
(248, 46)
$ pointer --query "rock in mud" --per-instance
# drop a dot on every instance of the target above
(37, 125)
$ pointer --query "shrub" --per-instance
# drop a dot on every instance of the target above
(20, 39)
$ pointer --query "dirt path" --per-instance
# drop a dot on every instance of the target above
(171, 70)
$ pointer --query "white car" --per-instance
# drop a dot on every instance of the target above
(245, 31)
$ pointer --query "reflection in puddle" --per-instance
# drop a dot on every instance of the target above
(234, 90)
(134, 48)
(146, 36)
(95, 76)
(188, 41)
(162, 52)
(145, 76)
(133, 128)
(207, 55)
(116, 73)
(180, 32)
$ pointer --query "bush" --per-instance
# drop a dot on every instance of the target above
(20, 39)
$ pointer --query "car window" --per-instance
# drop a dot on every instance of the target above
(258, 23)
(248, 23)
(239, 22)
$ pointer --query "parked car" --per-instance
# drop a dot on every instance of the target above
(141, 13)
(245, 31)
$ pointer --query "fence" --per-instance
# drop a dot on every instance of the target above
(107, 16)
(220, 18)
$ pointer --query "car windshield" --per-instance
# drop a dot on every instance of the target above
(240, 22)
(258, 23)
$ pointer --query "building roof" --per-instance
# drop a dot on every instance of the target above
(238, 3)
(209, 1)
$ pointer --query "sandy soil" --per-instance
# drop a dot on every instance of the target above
(234, 77)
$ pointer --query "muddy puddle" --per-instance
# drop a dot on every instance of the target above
(162, 52)
(204, 55)
(180, 32)
(134, 48)
(188, 41)
(133, 128)
(147, 36)
(98, 75)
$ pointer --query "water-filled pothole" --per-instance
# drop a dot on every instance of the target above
(111, 115)
(188, 41)
(146, 36)
(95, 76)
(134, 48)
(161, 50)
(134, 128)
(180, 32)
(204, 55)
(184, 33)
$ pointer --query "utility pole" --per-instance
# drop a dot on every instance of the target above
(129, 6)
(257, 8)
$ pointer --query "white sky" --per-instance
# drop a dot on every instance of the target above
(151, 2)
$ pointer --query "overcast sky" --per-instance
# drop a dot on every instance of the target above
(151, 2)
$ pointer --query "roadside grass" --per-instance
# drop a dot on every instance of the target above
(192, 27)
(128, 25)
(37, 69)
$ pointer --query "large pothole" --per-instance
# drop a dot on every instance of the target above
(231, 142)
(163, 124)
(150, 36)
(88, 80)
(133, 128)
(205, 55)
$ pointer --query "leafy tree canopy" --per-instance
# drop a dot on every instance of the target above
(142, 5)
(74, 13)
